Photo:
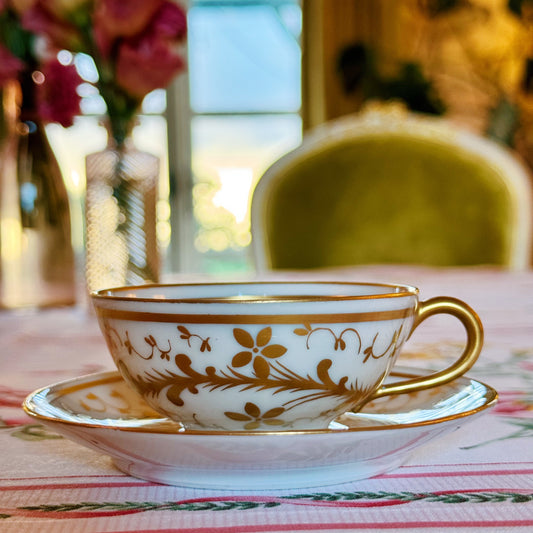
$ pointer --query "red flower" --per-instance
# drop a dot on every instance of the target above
(146, 64)
(134, 44)
(514, 403)
(58, 99)
(10, 65)
(114, 19)
(169, 22)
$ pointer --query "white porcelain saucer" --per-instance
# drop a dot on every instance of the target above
(101, 412)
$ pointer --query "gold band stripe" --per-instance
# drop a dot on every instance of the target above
(326, 318)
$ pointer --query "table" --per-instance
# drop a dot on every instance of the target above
(479, 477)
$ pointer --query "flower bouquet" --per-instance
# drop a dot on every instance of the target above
(135, 46)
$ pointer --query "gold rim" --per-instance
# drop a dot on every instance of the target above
(406, 290)
(490, 398)
(336, 318)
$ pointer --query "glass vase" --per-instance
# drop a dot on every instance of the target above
(121, 197)
(37, 265)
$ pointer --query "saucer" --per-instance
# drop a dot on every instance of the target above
(101, 412)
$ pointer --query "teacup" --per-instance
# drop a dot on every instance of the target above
(271, 356)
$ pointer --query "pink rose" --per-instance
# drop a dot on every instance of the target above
(58, 100)
(114, 19)
(146, 64)
(169, 22)
(10, 66)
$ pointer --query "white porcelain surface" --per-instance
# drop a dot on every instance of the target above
(101, 412)
(265, 356)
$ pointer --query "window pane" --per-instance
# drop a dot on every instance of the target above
(244, 58)
(229, 156)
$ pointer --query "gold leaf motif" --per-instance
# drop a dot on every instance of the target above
(183, 362)
(273, 422)
(184, 331)
(243, 338)
(253, 417)
(322, 372)
(261, 367)
(274, 412)
(173, 395)
(301, 331)
(273, 351)
(241, 359)
(252, 409)
(239, 417)
(264, 336)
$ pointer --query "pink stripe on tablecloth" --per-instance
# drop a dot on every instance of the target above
(397, 475)
(73, 476)
(86, 485)
(257, 528)
(128, 483)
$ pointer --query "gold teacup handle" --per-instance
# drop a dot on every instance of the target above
(474, 342)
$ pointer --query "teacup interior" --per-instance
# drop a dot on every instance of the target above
(258, 292)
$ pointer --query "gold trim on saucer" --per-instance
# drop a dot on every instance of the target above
(32, 406)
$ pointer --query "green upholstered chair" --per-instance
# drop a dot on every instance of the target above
(392, 187)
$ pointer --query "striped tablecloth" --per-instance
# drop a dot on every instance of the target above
(477, 478)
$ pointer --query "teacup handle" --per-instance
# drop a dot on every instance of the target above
(474, 342)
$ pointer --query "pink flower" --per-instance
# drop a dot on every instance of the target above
(150, 60)
(114, 19)
(514, 403)
(146, 64)
(527, 366)
(169, 22)
(58, 100)
(10, 65)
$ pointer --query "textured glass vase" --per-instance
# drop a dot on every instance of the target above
(121, 241)
(37, 260)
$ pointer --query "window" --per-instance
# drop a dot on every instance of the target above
(233, 113)
(245, 93)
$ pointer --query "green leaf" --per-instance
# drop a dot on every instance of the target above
(34, 432)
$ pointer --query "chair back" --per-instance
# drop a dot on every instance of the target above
(382, 187)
